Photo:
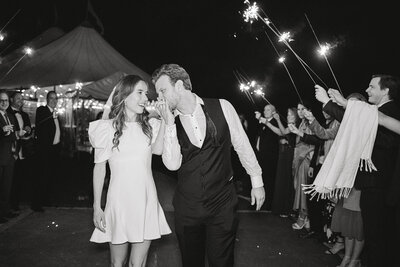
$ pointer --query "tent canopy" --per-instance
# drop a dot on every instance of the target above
(39, 41)
(81, 55)
(102, 88)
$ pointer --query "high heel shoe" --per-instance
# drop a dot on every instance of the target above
(301, 223)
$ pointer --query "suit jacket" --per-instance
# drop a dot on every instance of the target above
(45, 128)
(25, 143)
(385, 150)
(7, 142)
(268, 143)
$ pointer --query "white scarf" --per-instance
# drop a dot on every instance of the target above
(351, 148)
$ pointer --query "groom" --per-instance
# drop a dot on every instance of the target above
(197, 143)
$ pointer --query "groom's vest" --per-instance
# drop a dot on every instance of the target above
(204, 178)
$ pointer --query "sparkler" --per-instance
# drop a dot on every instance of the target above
(282, 61)
(27, 51)
(284, 38)
(323, 51)
(251, 13)
(244, 87)
(2, 36)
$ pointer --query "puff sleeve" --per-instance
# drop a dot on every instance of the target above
(100, 136)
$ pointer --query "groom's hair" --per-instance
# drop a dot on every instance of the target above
(175, 73)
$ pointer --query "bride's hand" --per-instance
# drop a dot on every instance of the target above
(165, 112)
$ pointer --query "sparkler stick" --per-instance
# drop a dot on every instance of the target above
(287, 70)
(246, 85)
(323, 53)
(241, 82)
(16, 13)
(251, 14)
(27, 51)
(5, 48)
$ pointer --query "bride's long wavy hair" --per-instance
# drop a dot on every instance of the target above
(118, 108)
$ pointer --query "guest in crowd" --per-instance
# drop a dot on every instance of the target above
(267, 146)
(378, 227)
(303, 153)
(24, 151)
(48, 144)
(8, 128)
(282, 203)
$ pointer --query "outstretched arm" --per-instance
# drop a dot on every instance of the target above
(389, 122)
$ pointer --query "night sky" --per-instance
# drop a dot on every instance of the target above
(200, 36)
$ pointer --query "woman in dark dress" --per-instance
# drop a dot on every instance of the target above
(284, 192)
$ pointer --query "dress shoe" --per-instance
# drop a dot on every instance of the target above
(3, 220)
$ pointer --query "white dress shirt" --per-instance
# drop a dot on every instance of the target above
(57, 135)
(195, 127)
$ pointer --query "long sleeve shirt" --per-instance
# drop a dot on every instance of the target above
(195, 127)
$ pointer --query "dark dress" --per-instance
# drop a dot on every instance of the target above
(284, 191)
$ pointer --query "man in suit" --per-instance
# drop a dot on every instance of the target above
(8, 127)
(267, 148)
(24, 148)
(375, 185)
(48, 137)
(197, 142)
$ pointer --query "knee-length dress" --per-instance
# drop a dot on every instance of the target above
(133, 212)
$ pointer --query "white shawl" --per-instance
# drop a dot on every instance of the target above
(352, 148)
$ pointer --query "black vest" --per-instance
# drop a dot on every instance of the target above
(205, 173)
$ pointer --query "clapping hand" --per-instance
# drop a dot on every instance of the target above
(8, 128)
(293, 129)
(276, 116)
(309, 115)
(257, 115)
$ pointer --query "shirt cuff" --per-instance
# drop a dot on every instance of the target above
(170, 130)
(256, 181)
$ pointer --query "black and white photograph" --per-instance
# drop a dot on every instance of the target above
(199, 133)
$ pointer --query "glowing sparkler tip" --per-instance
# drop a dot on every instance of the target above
(259, 92)
(285, 37)
(251, 13)
(324, 49)
(2, 37)
(282, 59)
(28, 50)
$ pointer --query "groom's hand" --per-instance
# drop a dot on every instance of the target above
(258, 197)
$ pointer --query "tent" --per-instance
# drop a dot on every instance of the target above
(39, 41)
(101, 89)
(81, 55)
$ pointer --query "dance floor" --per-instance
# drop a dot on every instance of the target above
(60, 237)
